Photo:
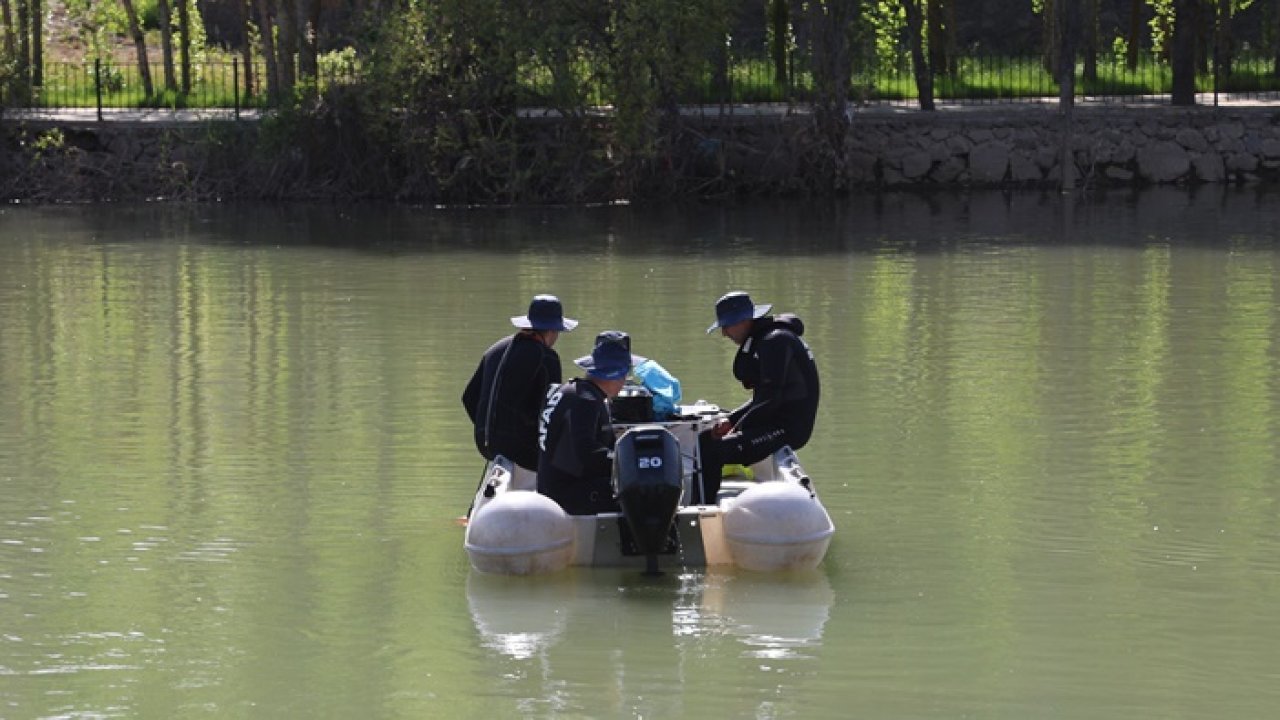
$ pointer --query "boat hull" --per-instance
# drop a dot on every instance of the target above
(767, 519)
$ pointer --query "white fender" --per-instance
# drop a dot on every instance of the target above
(777, 526)
(520, 533)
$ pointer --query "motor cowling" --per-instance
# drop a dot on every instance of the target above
(647, 482)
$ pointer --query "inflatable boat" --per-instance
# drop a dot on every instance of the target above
(767, 517)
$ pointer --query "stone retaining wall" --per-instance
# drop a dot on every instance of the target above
(757, 153)
(1109, 146)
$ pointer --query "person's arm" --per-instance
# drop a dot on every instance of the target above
(596, 457)
(471, 395)
(775, 355)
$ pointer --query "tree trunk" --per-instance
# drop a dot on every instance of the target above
(1134, 41)
(1068, 31)
(287, 49)
(37, 44)
(23, 65)
(1049, 47)
(940, 29)
(1223, 45)
(6, 14)
(265, 31)
(309, 57)
(166, 43)
(830, 24)
(1275, 66)
(246, 49)
(1185, 21)
(919, 63)
(140, 46)
(780, 25)
(184, 44)
(1089, 41)
(1068, 16)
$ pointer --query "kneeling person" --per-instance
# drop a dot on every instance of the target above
(576, 432)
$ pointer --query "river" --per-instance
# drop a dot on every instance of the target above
(232, 456)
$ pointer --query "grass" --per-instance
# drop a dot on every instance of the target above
(219, 83)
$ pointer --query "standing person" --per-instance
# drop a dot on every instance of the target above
(576, 433)
(778, 368)
(506, 392)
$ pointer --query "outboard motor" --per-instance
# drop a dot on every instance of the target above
(647, 482)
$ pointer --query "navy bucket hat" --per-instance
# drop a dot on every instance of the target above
(610, 336)
(732, 308)
(545, 313)
(610, 361)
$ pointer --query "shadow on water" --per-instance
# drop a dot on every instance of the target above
(777, 614)
(874, 223)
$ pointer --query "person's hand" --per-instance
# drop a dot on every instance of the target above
(722, 428)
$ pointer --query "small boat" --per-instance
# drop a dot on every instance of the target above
(767, 517)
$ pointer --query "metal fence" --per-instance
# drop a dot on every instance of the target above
(746, 76)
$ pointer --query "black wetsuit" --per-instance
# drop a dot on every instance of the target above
(505, 395)
(576, 469)
(778, 367)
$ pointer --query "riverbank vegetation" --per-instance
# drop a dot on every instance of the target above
(431, 98)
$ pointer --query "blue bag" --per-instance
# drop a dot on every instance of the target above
(664, 386)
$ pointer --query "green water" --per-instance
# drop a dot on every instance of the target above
(232, 453)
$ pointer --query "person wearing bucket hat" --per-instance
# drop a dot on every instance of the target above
(587, 362)
(576, 433)
(507, 389)
(778, 367)
(733, 309)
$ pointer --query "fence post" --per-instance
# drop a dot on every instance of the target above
(235, 84)
(97, 84)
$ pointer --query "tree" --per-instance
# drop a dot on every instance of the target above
(1089, 41)
(940, 19)
(140, 47)
(1134, 41)
(1068, 22)
(243, 14)
(830, 24)
(287, 47)
(1186, 19)
(266, 31)
(1275, 68)
(22, 67)
(6, 14)
(1223, 43)
(184, 43)
(919, 62)
(166, 43)
(309, 56)
(779, 39)
(37, 43)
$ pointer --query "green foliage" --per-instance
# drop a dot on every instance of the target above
(887, 21)
(1161, 25)
(45, 144)
(8, 76)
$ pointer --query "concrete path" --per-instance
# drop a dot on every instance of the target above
(1205, 101)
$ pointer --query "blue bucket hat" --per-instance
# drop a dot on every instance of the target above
(611, 358)
(732, 308)
(545, 313)
(610, 336)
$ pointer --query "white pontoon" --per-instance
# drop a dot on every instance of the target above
(766, 517)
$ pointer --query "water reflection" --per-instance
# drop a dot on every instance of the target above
(567, 642)
(773, 617)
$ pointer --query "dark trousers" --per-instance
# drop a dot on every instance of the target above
(742, 448)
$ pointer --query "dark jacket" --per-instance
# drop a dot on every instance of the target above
(576, 468)
(505, 396)
(778, 367)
